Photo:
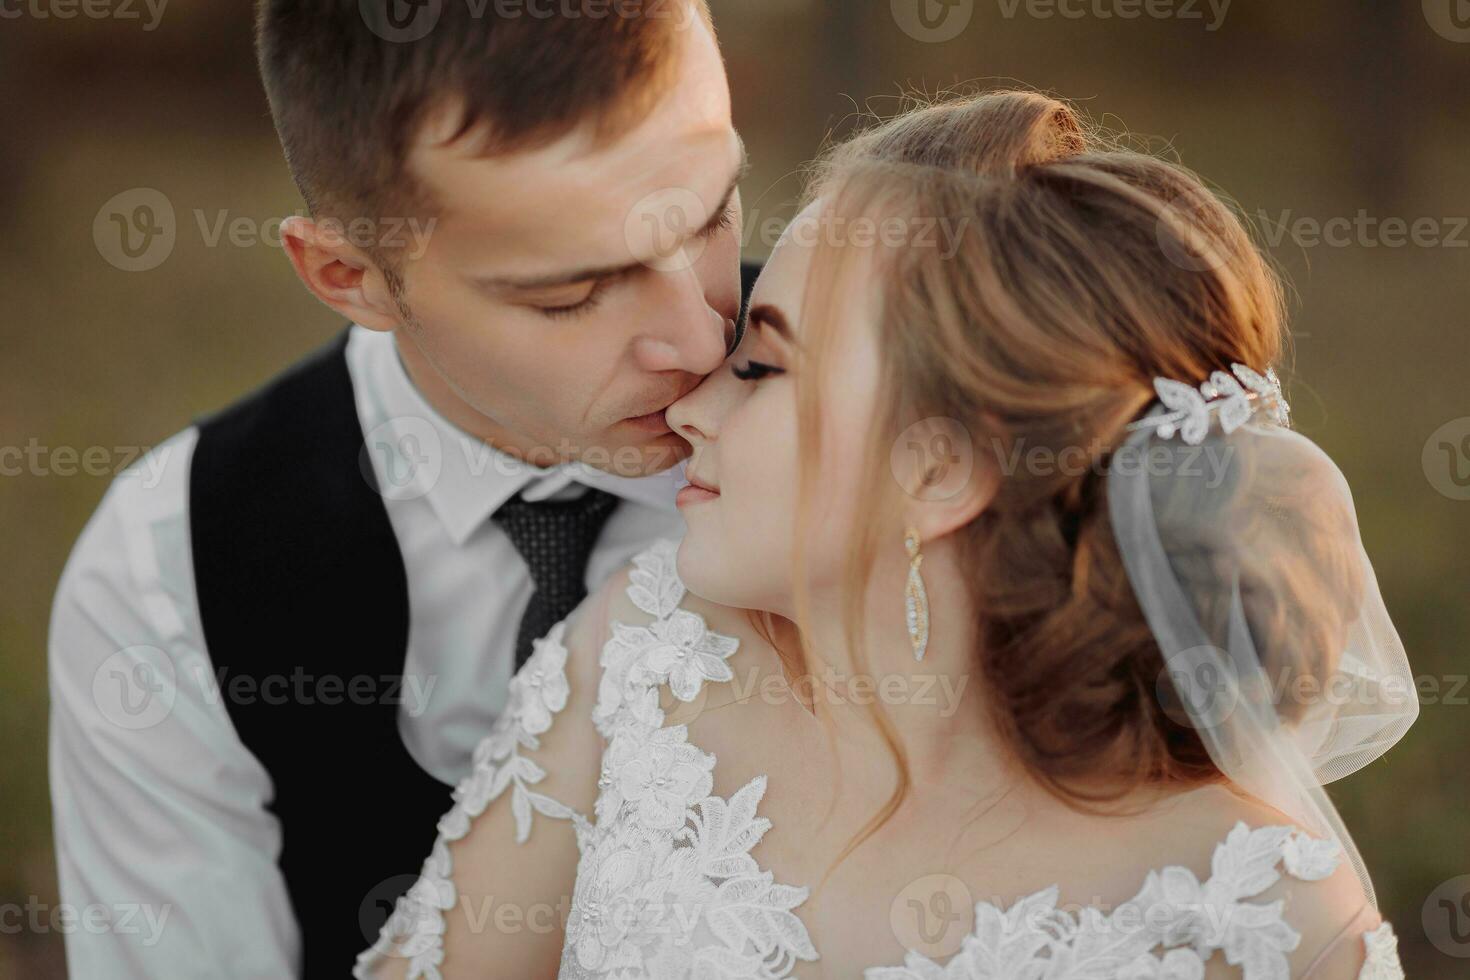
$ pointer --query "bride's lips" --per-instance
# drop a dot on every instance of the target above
(696, 492)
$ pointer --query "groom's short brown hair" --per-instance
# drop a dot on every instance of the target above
(349, 85)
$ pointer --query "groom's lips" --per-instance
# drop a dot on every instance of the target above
(652, 422)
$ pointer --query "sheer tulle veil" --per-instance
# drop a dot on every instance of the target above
(1241, 542)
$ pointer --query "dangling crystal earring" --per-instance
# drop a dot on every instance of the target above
(915, 598)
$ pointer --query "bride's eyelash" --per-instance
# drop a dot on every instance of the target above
(755, 370)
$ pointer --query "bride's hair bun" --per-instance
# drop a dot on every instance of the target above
(995, 134)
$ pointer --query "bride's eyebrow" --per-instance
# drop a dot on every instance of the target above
(769, 316)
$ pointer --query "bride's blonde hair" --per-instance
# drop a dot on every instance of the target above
(1082, 270)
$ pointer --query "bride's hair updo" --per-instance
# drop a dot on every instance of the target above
(1081, 271)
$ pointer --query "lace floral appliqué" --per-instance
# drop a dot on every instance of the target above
(538, 692)
(667, 888)
(1382, 947)
(1168, 931)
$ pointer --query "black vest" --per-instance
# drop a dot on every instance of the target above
(303, 601)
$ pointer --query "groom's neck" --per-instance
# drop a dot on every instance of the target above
(435, 390)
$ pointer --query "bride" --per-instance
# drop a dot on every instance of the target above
(1013, 635)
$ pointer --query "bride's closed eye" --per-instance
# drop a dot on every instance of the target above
(755, 370)
(761, 318)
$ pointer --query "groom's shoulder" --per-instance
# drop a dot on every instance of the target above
(137, 539)
(148, 514)
(293, 392)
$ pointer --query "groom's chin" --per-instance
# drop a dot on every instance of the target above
(646, 457)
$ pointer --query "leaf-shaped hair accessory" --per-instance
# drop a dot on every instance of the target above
(1234, 400)
(1190, 416)
(1235, 410)
(1268, 388)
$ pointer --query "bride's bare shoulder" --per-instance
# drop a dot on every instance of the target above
(1323, 905)
(649, 588)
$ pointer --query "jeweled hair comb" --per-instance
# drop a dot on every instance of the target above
(1234, 400)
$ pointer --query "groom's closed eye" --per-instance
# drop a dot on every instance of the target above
(575, 299)
(569, 302)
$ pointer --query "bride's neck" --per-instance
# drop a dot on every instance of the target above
(934, 708)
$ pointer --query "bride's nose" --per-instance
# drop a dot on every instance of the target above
(696, 417)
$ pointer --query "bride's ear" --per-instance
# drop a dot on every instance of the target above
(947, 482)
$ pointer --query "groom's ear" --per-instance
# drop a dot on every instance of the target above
(339, 273)
(946, 480)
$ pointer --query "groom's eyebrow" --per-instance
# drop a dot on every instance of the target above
(613, 271)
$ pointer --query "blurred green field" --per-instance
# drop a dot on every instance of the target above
(1299, 111)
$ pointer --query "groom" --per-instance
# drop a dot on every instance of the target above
(267, 671)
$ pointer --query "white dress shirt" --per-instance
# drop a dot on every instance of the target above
(166, 852)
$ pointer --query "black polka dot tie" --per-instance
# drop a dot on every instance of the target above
(555, 538)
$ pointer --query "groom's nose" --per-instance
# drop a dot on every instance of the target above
(685, 333)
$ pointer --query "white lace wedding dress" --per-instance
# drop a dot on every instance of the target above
(666, 887)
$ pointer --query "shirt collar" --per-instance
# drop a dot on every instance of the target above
(417, 452)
